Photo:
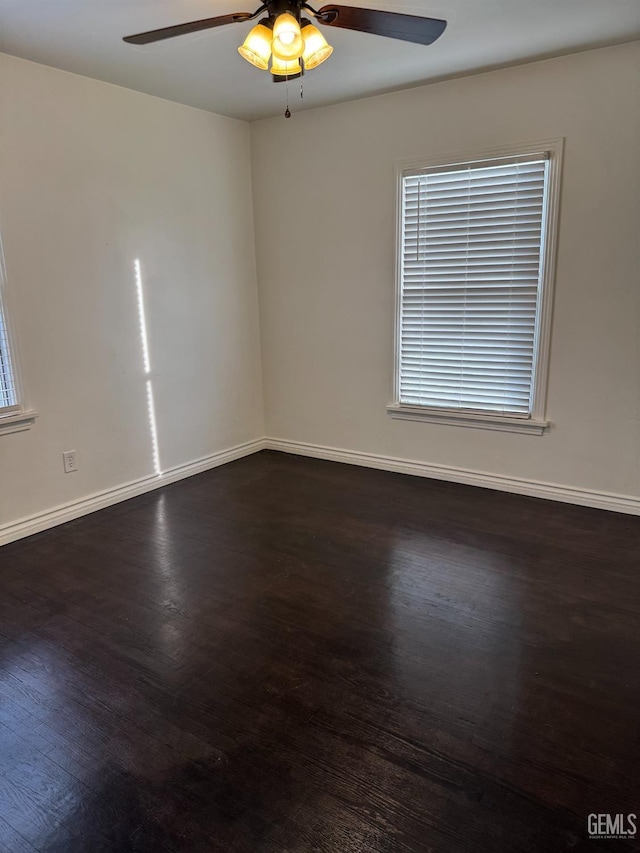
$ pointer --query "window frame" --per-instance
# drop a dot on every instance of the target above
(535, 423)
(20, 416)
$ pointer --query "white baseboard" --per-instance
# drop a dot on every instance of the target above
(534, 488)
(99, 500)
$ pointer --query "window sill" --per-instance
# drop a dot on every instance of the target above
(467, 419)
(17, 421)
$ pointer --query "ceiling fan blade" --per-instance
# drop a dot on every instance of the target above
(391, 24)
(191, 27)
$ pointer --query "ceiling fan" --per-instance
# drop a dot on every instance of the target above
(292, 42)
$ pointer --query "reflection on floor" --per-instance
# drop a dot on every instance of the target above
(285, 654)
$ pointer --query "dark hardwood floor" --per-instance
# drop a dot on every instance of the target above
(285, 654)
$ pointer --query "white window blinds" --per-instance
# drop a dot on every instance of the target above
(7, 386)
(470, 267)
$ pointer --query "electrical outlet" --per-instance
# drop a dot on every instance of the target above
(70, 460)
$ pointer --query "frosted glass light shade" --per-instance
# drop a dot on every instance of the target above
(287, 43)
(257, 47)
(316, 49)
(284, 68)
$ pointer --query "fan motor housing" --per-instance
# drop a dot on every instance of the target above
(281, 7)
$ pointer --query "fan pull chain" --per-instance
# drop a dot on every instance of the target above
(287, 112)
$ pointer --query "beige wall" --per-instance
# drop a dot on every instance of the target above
(324, 198)
(92, 177)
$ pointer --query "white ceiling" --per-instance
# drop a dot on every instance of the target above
(205, 70)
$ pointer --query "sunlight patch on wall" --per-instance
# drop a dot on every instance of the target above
(146, 362)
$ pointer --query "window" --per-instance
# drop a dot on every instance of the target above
(14, 416)
(8, 397)
(475, 259)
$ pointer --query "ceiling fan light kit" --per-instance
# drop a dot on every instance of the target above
(286, 44)
(292, 43)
